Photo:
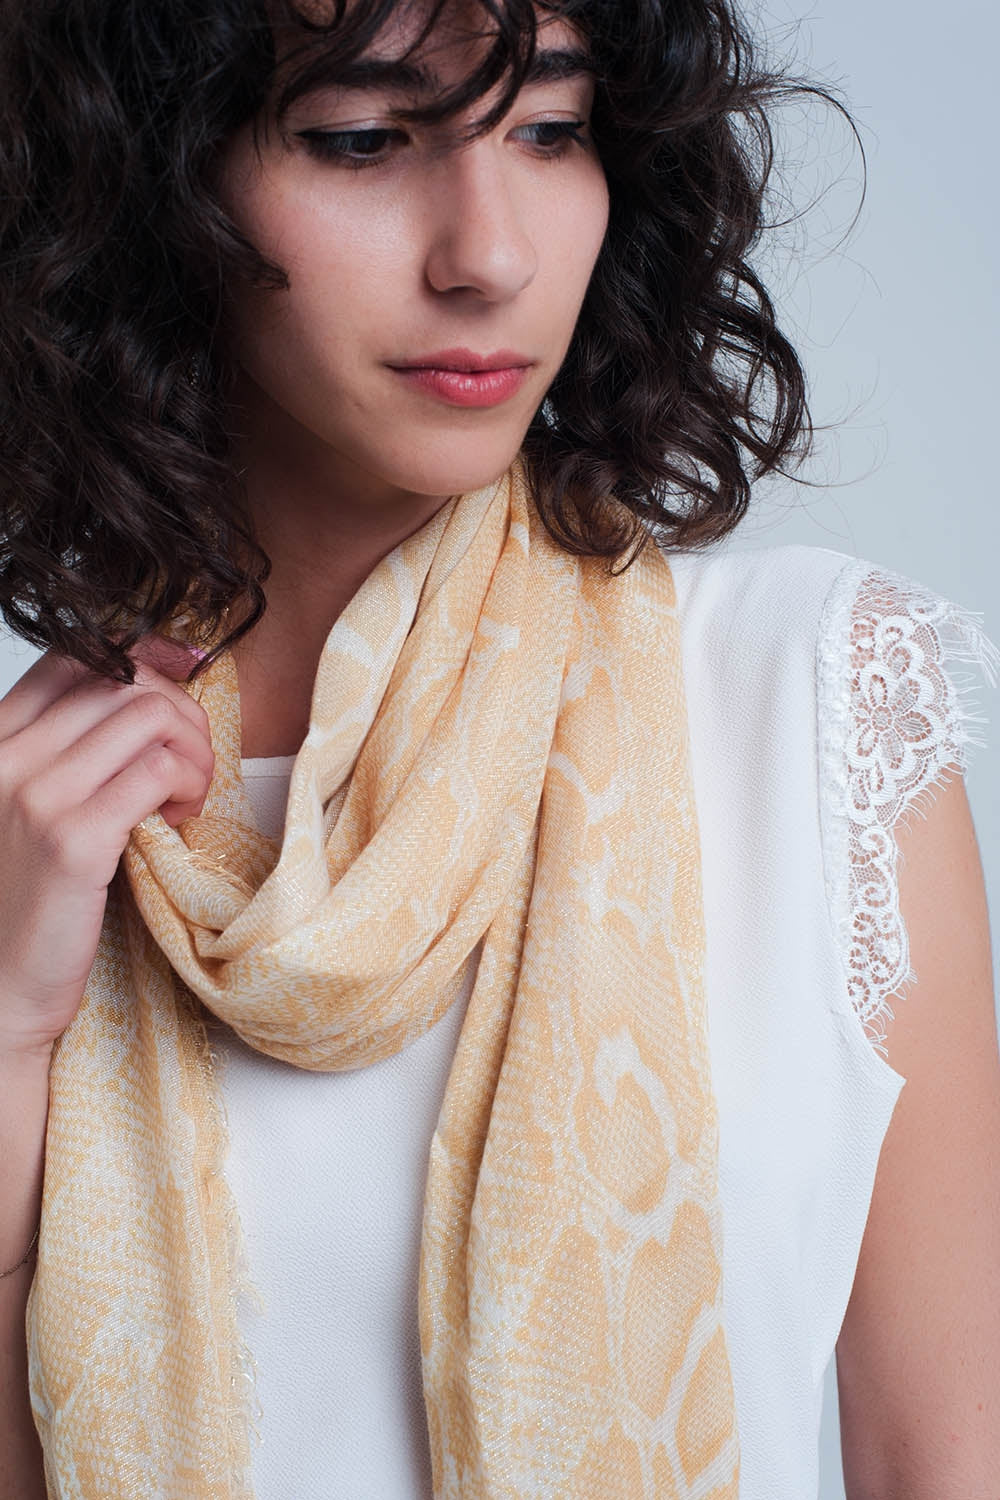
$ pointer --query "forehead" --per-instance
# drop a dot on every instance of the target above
(459, 22)
(435, 38)
(438, 59)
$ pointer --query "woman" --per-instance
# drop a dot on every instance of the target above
(491, 837)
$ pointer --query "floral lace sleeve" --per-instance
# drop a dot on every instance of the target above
(896, 713)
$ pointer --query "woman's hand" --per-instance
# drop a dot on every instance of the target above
(82, 761)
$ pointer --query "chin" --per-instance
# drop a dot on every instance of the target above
(457, 468)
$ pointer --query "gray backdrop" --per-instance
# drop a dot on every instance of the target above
(898, 326)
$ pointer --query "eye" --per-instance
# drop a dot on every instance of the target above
(351, 148)
(554, 137)
(369, 147)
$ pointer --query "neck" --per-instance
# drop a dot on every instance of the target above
(325, 524)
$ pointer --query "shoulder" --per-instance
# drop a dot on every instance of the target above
(848, 611)
(747, 571)
(754, 629)
(893, 667)
(849, 689)
(764, 596)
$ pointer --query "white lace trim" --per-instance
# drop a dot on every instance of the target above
(894, 717)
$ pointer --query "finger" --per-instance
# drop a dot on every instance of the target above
(93, 835)
(87, 702)
(173, 659)
(45, 680)
(174, 812)
(142, 723)
(52, 677)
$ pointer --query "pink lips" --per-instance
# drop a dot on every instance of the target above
(463, 378)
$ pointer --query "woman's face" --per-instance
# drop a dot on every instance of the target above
(401, 245)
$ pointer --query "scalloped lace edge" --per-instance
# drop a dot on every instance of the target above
(896, 714)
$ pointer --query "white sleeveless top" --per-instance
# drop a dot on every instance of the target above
(821, 700)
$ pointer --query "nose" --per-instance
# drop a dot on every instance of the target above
(480, 239)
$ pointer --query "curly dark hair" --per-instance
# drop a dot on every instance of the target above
(120, 507)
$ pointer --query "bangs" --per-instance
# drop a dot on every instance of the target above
(340, 45)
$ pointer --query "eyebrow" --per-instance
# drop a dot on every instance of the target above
(547, 66)
(554, 63)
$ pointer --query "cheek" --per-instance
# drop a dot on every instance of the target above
(597, 220)
(600, 206)
(332, 259)
(575, 232)
(349, 257)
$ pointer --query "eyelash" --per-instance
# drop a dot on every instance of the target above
(338, 145)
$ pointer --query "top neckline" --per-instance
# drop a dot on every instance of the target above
(266, 765)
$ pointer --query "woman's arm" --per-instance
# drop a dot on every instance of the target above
(24, 1100)
(918, 1358)
(82, 761)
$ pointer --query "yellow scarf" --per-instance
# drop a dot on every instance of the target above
(497, 745)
